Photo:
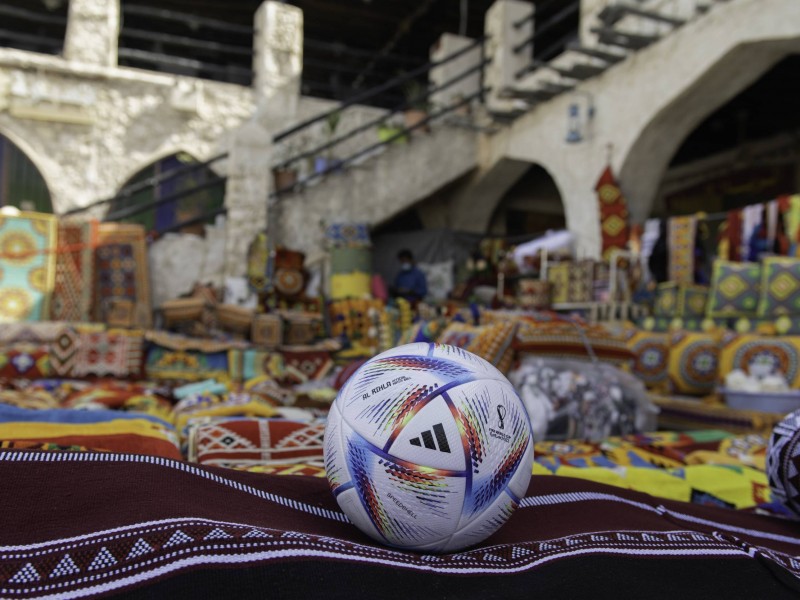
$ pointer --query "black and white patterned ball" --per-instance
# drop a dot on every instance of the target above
(783, 459)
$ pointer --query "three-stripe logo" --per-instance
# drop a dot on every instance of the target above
(427, 439)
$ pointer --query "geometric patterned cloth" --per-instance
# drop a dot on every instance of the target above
(681, 238)
(734, 289)
(121, 271)
(113, 353)
(783, 460)
(27, 266)
(614, 229)
(175, 528)
(72, 296)
(680, 300)
(240, 442)
(780, 287)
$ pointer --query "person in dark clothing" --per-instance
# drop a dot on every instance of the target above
(659, 257)
(410, 282)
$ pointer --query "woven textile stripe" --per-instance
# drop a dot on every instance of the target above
(72, 296)
(206, 523)
(27, 266)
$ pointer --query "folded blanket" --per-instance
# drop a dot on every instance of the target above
(140, 436)
(157, 528)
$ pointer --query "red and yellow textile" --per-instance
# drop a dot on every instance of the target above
(703, 467)
(614, 227)
(72, 295)
(136, 436)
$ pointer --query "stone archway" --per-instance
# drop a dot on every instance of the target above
(164, 217)
(532, 205)
(22, 183)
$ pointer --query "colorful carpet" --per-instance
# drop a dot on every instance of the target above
(27, 266)
(72, 296)
(121, 272)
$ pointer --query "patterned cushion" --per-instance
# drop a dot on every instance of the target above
(693, 300)
(25, 361)
(783, 461)
(693, 362)
(650, 356)
(304, 363)
(490, 342)
(734, 289)
(113, 353)
(666, 304)
(762, 354)
(252, 441)
(780, 287)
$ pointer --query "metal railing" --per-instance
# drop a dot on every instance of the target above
(41, 32)
(127, 193)
(204, 47)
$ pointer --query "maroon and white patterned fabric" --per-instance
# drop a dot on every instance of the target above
(79, 525)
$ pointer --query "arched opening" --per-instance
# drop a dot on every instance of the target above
(21, 183)
(187, 212)
(532, 205)
(745, 152)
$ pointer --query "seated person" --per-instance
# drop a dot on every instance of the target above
(410, 282)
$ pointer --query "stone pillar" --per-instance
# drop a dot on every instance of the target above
(92, 32)
(246, 192)
(503, 35)
(449, 44)
(277, 62)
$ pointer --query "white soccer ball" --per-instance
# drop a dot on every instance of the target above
(428, 447)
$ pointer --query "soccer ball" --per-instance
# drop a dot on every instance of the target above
(428, 447)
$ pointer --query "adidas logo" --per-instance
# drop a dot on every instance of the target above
(427, 439)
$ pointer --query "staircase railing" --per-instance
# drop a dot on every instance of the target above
(125, 195)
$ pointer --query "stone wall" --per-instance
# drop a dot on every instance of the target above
(89, 129)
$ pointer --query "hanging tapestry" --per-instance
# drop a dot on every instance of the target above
(72, 296)
(27, 266)
(732, 241)
(613, 214)
(121, 271)
(681, 237)
(790, 209)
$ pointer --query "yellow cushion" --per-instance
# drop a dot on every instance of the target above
(693, 362)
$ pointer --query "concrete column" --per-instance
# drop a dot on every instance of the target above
(449, 44)
(92, 32)
(277, 62)
(246, 192)
(503, 35)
